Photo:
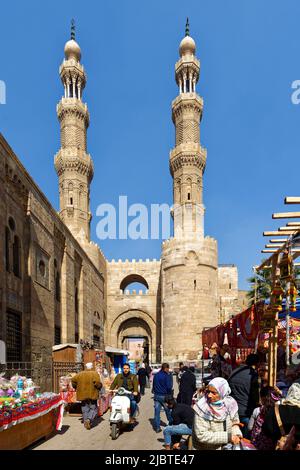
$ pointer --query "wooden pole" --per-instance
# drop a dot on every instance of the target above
(273, 339)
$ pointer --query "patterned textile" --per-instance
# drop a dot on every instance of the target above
(10, 417)
(258, 438)
(226, 405)
(212, 435)
(293, 395)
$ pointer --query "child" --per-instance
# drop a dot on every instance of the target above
(268, 397)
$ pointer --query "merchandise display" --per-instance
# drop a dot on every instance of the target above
(20, 401)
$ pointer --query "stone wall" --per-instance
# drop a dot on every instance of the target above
(47, 248)
(123, 306)
(227, 292)
(189, 293)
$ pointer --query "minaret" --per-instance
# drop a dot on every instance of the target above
(73, 164)
(189, 259)
(188, 158)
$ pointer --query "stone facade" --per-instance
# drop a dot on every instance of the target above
(133, 313)
(55, 283)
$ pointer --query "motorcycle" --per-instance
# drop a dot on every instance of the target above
(120, 411)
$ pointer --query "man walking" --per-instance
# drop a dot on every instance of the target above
(245, 389)
(187, 387)
(162, 390)
(142, 378)
(182, 423)
(128, 381)
(87, 385)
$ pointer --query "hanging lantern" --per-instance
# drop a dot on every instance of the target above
(293, 297)
(277, 294)
(285, 266)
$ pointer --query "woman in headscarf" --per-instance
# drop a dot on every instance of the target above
(289, 412)
(216, 418)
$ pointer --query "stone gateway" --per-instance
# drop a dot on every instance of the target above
(56, 286)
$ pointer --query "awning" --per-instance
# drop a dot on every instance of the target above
(62, 346)
(109, 349)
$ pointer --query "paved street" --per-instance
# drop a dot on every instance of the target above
(74, 436)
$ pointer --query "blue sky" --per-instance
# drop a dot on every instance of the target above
(249, 53)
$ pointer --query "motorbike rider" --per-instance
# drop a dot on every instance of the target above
(128, 381)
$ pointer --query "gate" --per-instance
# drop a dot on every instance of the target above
(60, 369)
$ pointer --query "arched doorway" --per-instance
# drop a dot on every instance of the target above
(135, 335)
(135, 324)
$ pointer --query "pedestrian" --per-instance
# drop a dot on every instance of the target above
(148, 379)
(182, 422)
(245, 389)
(216, 418)
(205, 353)
(269, 396)
(289, 414)
(187, 387)
(162, 390)
(128, 381)
(218, 363)
(180, 372)
(87, 385)
(142, 378)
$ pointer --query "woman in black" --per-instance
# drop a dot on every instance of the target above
(289, 413)
(142, 376)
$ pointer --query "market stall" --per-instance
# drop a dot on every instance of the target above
(243, 333)
(103, 364)
(25, 414)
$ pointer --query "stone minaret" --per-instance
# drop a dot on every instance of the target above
(189, 260)
(188, 158)
(73, 164)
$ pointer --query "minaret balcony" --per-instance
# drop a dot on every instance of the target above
(187, 97)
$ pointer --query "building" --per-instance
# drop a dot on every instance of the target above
(56, 285)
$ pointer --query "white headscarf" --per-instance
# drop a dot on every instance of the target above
(293, 395)
(226, 405)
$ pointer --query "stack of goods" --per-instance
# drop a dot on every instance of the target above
(67, 392)
(19, 401)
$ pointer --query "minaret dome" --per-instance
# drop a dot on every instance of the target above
(187, 45)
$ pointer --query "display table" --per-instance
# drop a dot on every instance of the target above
(22, 426)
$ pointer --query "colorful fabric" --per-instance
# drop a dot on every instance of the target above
(226, 405)
(11, 417)
(293, 395)
(258, 438)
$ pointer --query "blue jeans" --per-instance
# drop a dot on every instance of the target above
(245, 420)
(89, 409)
(177, 429)
(133, 405)
(159, 402)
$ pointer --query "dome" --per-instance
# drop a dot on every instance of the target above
(187, 45)
(72, 50)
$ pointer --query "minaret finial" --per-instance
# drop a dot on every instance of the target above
(187, 27)
(73, 29)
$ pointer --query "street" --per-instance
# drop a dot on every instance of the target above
(74, 436)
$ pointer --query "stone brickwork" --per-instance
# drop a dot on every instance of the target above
(136, 312)
(189, 295)
(227, 292)
(47, 248)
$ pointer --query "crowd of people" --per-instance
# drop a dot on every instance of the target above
(236, 409)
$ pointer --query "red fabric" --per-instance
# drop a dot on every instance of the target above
(30, 410)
